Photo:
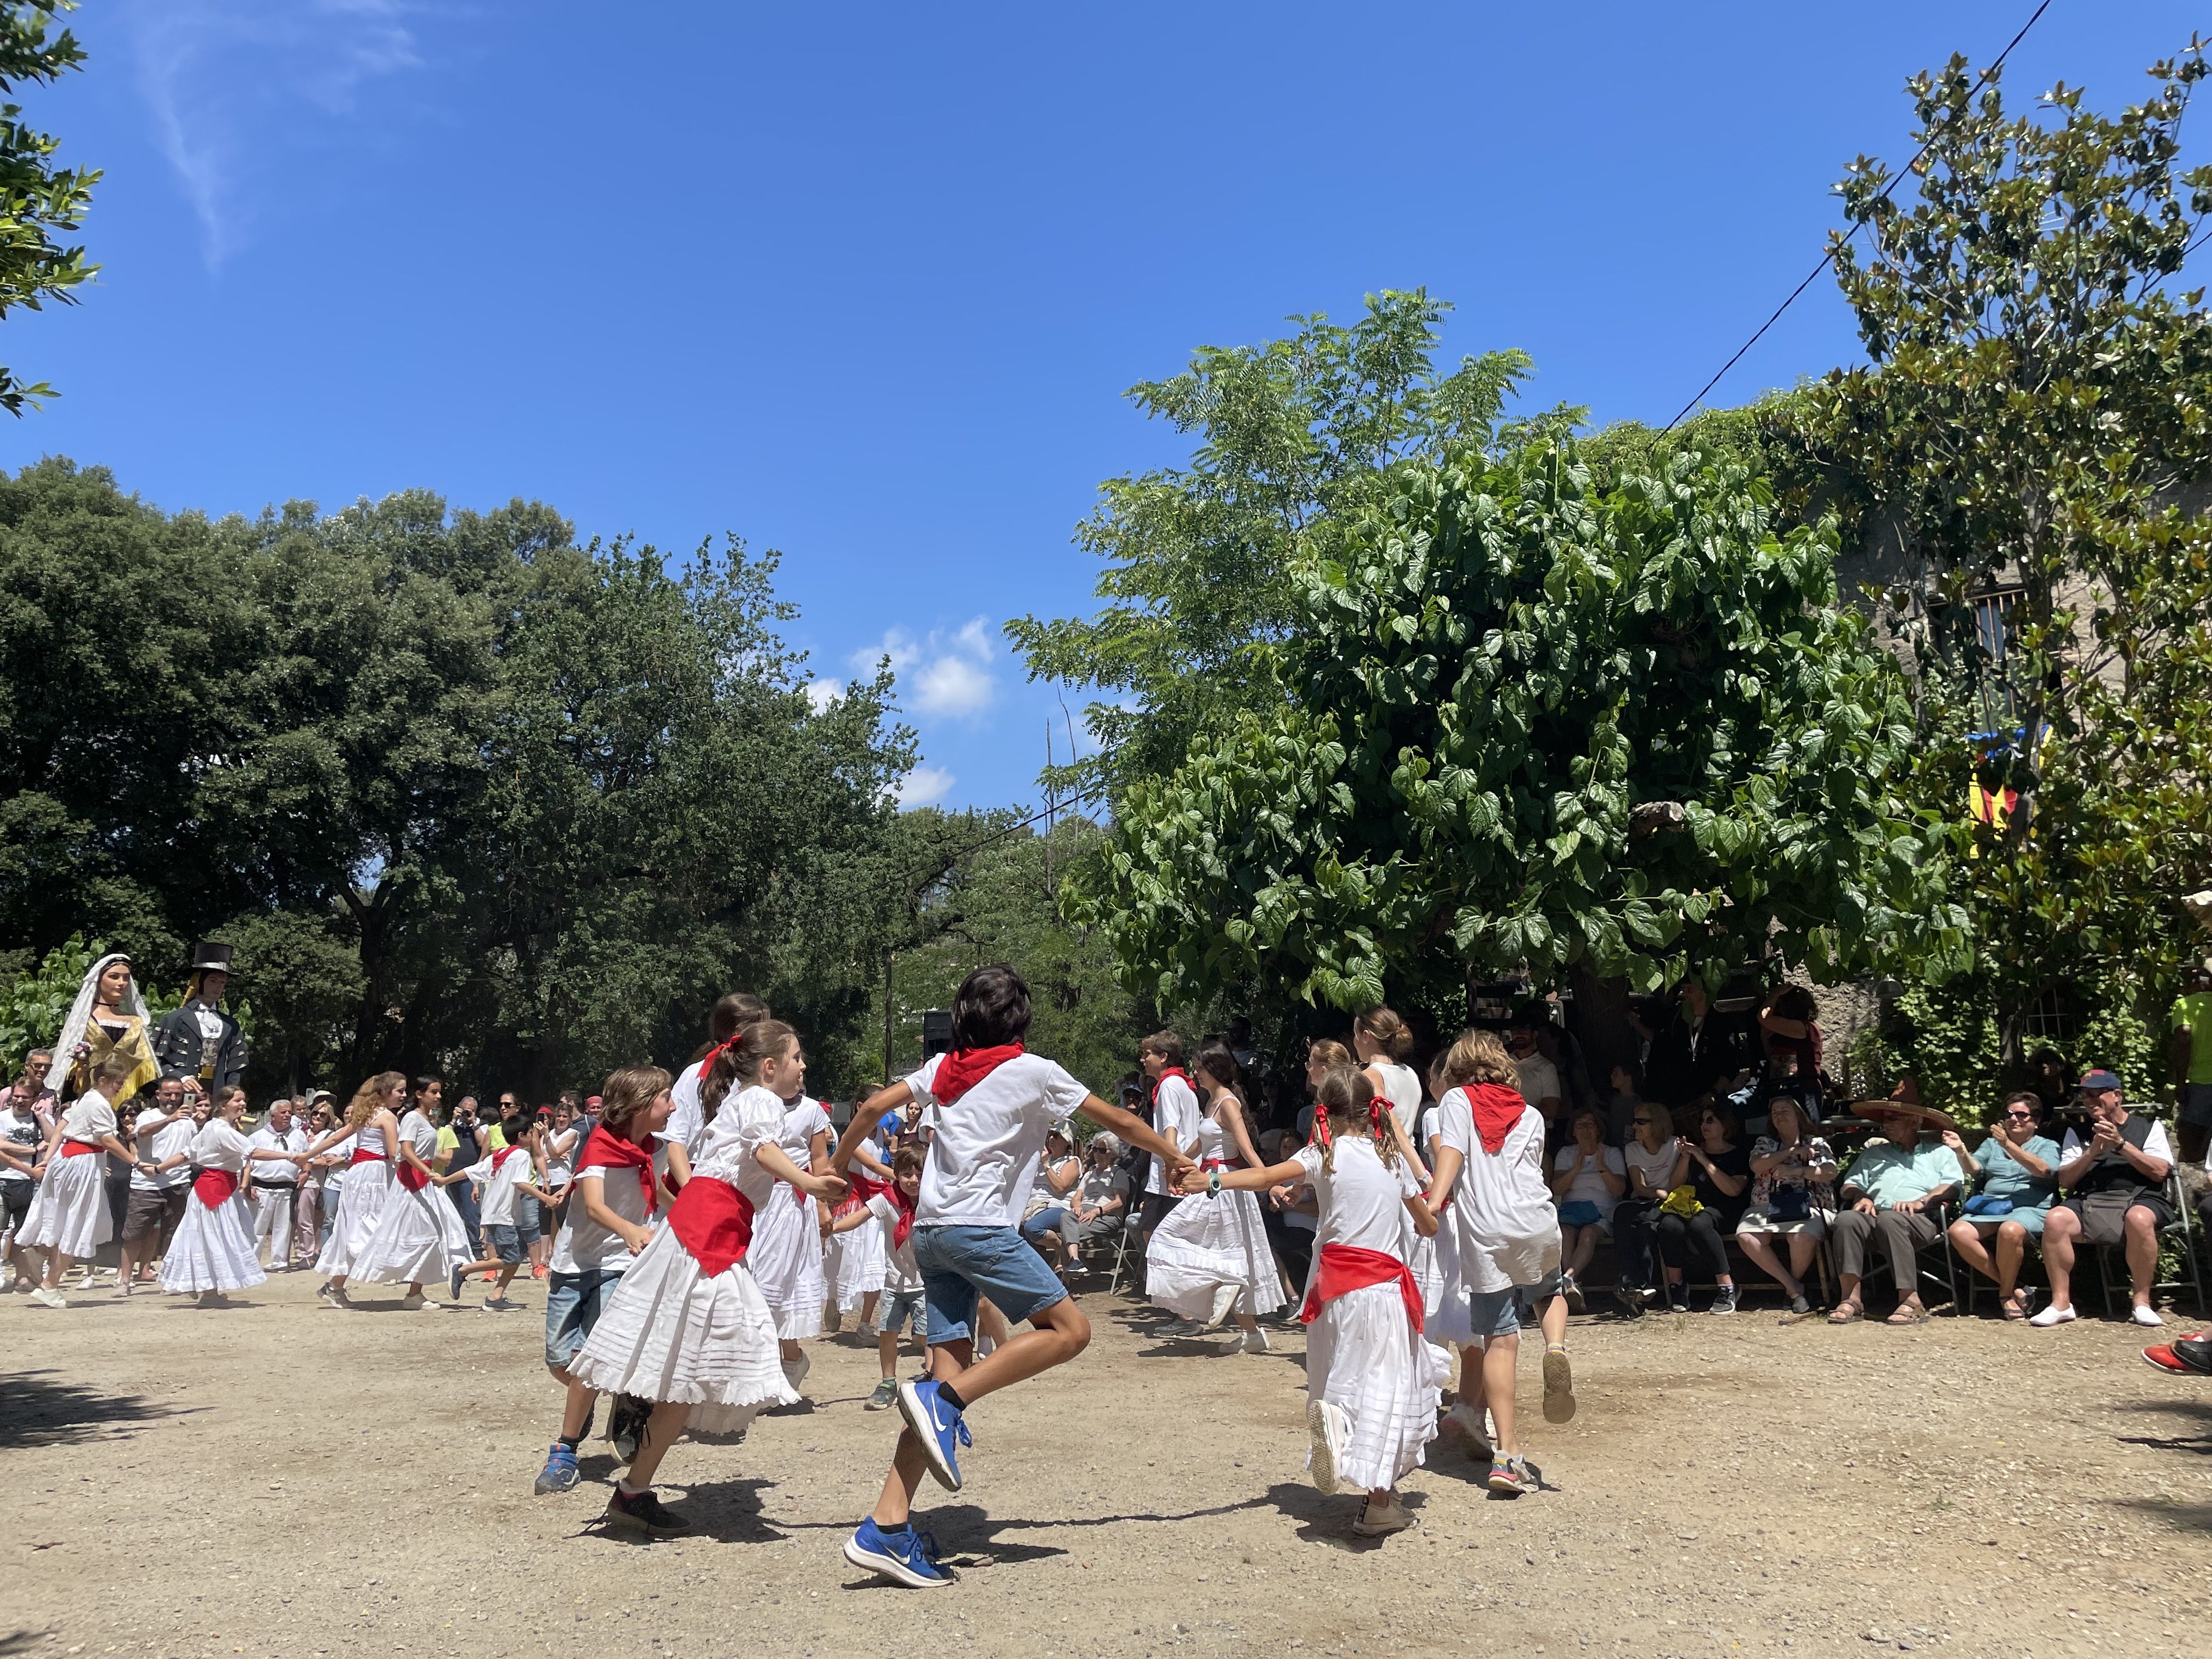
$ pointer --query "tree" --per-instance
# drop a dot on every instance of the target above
(1199, 556)
(37, 200)
(1628, 735)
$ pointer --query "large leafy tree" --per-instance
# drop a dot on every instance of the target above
(1597, 737)
(1198, 557)
(38, 200)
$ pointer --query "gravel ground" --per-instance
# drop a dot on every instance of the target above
(283, 1479)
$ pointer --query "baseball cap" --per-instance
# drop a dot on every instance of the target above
(2097, 1082)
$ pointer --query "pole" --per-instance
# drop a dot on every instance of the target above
(887, 1018)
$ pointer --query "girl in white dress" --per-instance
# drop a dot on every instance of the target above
(855, 1263)
(1372, 1378)
(372, 1122)
(69, 1217)
(688, 1329)
(419, 1238)
(1214, 1247)
(214, 1250)
(788, 1232)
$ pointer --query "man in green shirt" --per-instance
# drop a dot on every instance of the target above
(1890, 1197)
(2190, 1053)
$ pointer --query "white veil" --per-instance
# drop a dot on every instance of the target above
(80, 1015)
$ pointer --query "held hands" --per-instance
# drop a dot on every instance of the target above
(829, 1188)
(1189, 1180)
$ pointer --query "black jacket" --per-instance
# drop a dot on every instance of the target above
(179, 1048)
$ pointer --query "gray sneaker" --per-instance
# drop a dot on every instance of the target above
(886, 1395)
(1723, 1300)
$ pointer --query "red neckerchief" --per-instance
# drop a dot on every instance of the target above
(499, 1159)
(902, 1228)
(213, 1187)
(714, 1221)
(963, 1068)
(1167, 1071)
(1346, 1267)
(1497, 1109)
(606, 1151)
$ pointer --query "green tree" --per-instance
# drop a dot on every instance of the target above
(37, 199)
(1597, 737)
(1198, 557)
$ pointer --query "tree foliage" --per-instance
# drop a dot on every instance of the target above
(1627, 734)
(37, 199)
(1198, 557)
(466, 794)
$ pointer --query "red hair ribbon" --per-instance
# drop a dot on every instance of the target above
(1376, 1107)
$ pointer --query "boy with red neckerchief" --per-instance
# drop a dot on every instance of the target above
(995, 1103)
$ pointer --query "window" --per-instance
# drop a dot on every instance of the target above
(1993, 624)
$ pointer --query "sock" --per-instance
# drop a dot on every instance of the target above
(951, 1397)
(570, 1440)
(627, 1490)
(899, 1531)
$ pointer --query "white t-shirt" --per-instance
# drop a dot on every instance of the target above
(582, 1243)
(1175, 1115)
(1099, 1185)
(901, 1276)
(333, 1179)
(560, 1148)
(269, 1172)
(1658, 1167)
(90, 1118)
(1363, 1204)
(495, 1203)
(687, 1124)
(988, 1141)
(1539, 1080)
(2156, 1145)
(1501, 1211)
(21, 1128)
(170, 1137)
(1589, 1186)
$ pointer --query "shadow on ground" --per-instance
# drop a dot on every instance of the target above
(39, 1409)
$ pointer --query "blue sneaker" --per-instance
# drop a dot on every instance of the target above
(560, 1472)
(908, 1558)
(938, 1426)
(453, 1279)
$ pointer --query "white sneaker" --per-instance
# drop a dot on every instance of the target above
(2052, 1316)
(1330, 1428)
(1473, 1421)
(1255, 1341)
(413, 1299)
(2144, 1314)
(46, 1298)
(795, 1370)
(1234, 1344)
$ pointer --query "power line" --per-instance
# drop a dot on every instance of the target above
(1829, 258)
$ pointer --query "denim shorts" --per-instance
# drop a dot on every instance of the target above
(529, 1220)
(1495, 1313)
(502, 1241)
(959, 1264)
(574, 1303)
(902, 1308)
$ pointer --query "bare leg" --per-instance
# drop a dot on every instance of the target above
(1760, 1248)
(1554, 1322)
(2012, 1249)
(1501, 1360)
(2059, 1229)
(576, 1410)
(887, 1353)
(661, 1431)
(868, 1306)
(2142, 1253)
(57, 1264)
(1966, 1240)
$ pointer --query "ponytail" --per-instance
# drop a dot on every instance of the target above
(739, 1060)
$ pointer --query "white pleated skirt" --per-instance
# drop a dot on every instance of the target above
(419, 1239)
(213, 1249)
(361, 1206)
(1362, 1354)
(1212, 1241)
(855, 1265)
(785, 1259)
(672, 1334)
(69, 1212)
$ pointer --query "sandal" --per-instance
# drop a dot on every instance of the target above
(1908, 1313)
(1847, 1313)
(2015, 1306)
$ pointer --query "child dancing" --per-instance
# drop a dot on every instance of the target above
(1372, 1378)
(888, 1206)
(991, 1102)
(213, 1252)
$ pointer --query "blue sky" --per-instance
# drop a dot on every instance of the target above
(865, 283)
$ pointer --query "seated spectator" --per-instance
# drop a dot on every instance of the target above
(1891, 1198)
(1100, 1197)
(2116, 1196)
(1588, 1179)
(2018, 1168)
(1793, 1195)
(1701, 1217)
(1655, 1163)
(1045, 1220)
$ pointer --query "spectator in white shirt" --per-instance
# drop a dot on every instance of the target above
(1588, 1179)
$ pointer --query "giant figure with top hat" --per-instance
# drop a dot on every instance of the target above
(199, 1039)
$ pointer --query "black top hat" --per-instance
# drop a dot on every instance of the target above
(208, 954)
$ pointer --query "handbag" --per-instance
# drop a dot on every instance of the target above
(1788, 1203)
(1989, 1204)
(1681, 1201)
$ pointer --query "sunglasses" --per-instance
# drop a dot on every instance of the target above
(2020, 1114)
(1641, 1122)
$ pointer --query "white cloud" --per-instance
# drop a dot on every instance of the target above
(821, 693)
(925, 786)
(216, 74)
(948, 673)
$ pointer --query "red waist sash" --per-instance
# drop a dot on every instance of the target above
(362, 1155)
(79, 1148)
(412, 1178)
(1215, 1164)
(714, 1221)
(1346, 1267)
(213, 1187)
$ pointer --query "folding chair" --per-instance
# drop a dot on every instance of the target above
(2183, 1229)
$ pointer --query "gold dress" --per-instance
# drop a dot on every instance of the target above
(109, 1032)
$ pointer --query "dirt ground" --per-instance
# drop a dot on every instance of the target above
(286, 1479)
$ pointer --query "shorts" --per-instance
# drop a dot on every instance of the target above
(902, 1308)
(14, 1201)
(502, 1241)
(160, 1211)
(2197, 1105)
(2107, 1224)
(1584, 1213)
(574, 1303)
(1496, 1313)
(959, 1264)
(529, 1220)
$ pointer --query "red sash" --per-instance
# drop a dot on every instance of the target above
(79, 1148)
(606, 1151)
(213, 1187)
(362, 1155)
(1344, 1267)
(963, 1068)
(713, 1220)
(1215, 1164)
(412, 1178)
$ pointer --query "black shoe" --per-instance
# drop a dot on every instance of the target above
(1631, 1300)
(626, 1424)
(644, 1513)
